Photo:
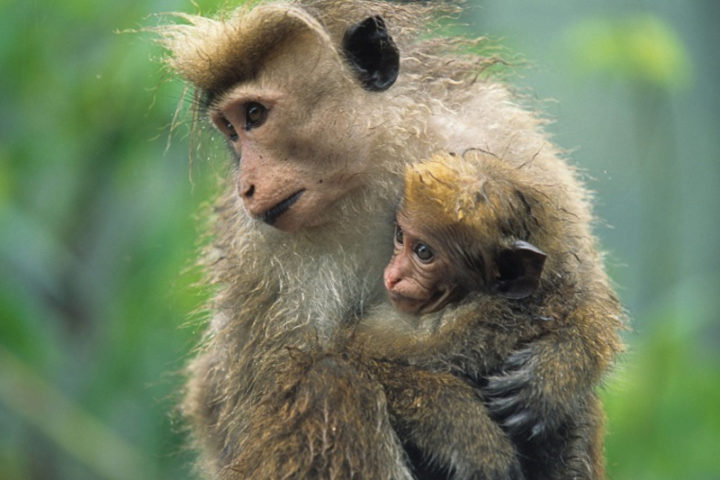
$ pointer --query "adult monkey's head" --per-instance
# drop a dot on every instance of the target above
(293, 105)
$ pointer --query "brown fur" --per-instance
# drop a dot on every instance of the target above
(537, 359)
(270, 394)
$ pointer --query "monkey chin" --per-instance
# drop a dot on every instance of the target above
(419, 306)
(405, 304)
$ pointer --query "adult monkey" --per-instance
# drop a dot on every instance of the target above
(305, 94)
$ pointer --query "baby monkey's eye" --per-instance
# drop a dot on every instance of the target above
(398, 235)
(423, 252)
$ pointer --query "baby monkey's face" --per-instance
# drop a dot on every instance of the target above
(418, 277)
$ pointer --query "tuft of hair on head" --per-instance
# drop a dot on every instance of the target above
(447, 186)
(215, 53)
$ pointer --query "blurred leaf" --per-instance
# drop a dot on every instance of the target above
(56, 416)
(662, 407)
(643, 48)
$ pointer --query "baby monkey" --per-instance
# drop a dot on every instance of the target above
(433, 265)
(499, 332)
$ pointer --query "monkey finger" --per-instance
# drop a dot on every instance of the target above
(519, 359)
(503, 406)
(524, 423)
(507, 384)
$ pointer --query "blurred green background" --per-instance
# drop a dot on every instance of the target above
(99, 216)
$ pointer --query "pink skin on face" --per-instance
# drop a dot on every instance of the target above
(416, 275)
(289, 182)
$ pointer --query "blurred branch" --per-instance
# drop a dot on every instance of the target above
(74, 430)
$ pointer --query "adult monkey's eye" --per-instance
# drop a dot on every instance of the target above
(228, 129)
(423, 252)
(255, 115)
(398, 235)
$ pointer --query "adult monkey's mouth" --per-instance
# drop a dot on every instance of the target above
(272, 214)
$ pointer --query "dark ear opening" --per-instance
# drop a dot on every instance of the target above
(372, 53)
(520, 267)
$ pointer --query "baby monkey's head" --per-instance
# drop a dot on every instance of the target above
(464, 225)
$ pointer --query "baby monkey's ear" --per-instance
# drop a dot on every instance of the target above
(519, 269)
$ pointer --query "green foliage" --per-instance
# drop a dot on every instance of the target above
(641, 48)
(648, 419)
(98, 232)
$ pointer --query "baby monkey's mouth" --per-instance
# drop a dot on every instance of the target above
(407, 304)
(272, 214)
(422, 305)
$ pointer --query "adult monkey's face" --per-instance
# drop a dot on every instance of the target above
(298, 134)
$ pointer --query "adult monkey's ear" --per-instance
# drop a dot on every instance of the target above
(372, 53)
(519, 267)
